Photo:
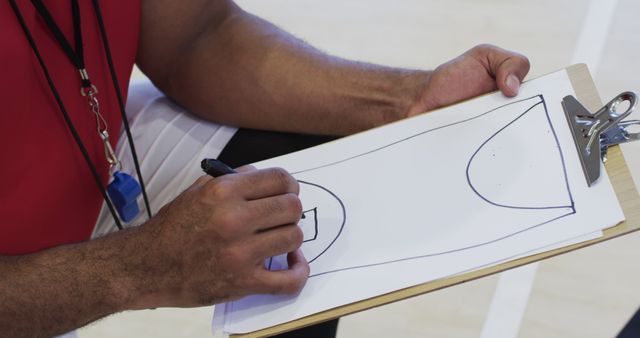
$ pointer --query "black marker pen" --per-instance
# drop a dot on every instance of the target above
(216, 168)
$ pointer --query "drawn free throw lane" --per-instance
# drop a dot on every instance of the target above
(323, 222)
(486, 191)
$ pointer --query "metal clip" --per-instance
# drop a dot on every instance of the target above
(594, 133)
(617, 135)
(89, 91)
(112, 159)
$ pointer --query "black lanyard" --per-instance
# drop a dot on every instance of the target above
(75, 56)
(77, 59)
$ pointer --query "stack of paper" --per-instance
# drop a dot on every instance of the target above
(447, 192)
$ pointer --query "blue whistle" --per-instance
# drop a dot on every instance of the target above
(124, 191)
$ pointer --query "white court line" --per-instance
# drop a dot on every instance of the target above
(509, 302)
(514, 286)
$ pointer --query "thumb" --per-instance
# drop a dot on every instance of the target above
(510, 72)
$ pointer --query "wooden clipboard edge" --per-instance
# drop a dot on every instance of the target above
(621, 180)
(616, 166)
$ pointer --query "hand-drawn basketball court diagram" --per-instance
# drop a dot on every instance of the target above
(505, 176)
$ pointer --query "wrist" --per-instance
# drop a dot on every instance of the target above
(132, 282)
(400, 95)
(417, 88)
(152, 273)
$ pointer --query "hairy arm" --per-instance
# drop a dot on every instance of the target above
(208, 245)
(229, 66)
(60, 289)
(205, 247)
(232, 67)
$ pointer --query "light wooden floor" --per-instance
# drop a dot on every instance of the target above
(589, 293)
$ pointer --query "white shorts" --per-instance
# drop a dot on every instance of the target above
(170, 143)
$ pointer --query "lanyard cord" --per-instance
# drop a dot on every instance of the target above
(77, 56)
(78, 60)
(67, 119)
(123, 113)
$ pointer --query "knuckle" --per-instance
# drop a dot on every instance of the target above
(220, 188)
(201, 180)
(485, 46)
(289, 240)
(235, 256)
(293, 204)
(270, 208)
(280, 174)
(295, 236)
(229, 222)
(283, 178)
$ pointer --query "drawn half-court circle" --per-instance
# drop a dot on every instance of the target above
(324, 225)
(324, 218)
(508, 170)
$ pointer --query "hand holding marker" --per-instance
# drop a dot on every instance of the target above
(215, 168)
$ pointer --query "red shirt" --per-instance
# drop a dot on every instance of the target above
(48, 196)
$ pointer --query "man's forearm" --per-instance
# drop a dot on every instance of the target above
(246, 72)
(199, 249)
(58, 290)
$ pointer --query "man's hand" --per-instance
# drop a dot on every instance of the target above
(258, 76)
(480, 70)
(205, 247)
(209, 245)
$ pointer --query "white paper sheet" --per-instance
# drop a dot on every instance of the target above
(433, 196)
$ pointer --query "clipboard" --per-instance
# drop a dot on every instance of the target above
(621, 180)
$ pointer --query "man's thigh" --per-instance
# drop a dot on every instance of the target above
(249, 145)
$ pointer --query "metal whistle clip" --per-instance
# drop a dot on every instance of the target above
(595, 133)
(112, 159)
